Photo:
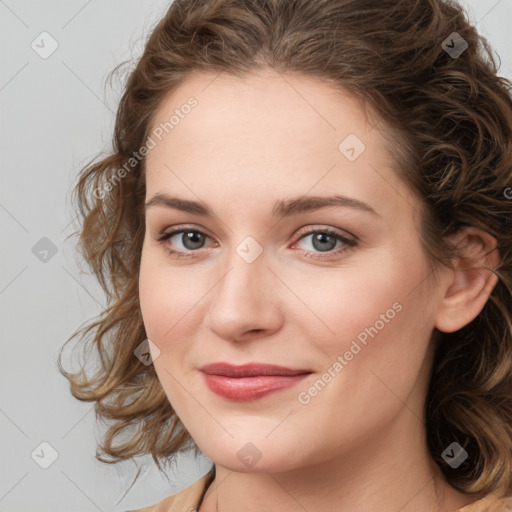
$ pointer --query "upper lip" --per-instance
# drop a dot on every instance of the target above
(248, 370)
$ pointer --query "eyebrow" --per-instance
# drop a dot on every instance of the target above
(282, 208)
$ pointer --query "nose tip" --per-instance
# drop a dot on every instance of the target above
(243, 304)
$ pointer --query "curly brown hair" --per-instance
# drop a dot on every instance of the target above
(448, 120)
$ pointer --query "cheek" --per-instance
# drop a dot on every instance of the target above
(352, 299)
(167, 295)
(152, 297)
(374, 310)
(165, 303)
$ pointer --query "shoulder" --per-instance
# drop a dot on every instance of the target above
(184, 500)
(489, 503)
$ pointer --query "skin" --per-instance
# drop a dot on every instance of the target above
(359, 444)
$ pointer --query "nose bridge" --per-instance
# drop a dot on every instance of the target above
(242, 299)
(242, 281)
(246, 268)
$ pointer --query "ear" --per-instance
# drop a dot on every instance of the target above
(467, 288)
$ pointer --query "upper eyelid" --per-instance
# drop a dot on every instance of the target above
(176, 230)
(332, 230)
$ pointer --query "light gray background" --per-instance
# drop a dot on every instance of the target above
(57, 114)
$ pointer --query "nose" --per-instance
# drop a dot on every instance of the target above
(244, 305)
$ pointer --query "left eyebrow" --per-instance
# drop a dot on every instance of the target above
(282, 208)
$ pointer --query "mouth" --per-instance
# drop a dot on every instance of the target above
(251, 381)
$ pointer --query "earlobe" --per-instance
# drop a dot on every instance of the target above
(467, 288)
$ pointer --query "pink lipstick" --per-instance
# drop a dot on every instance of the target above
(249, 381)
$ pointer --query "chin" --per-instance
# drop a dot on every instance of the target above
(257, 456)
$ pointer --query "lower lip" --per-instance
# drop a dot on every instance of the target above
(245, 389)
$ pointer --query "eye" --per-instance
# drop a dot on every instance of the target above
(326, 241)
(191, 241)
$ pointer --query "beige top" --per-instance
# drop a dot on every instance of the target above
(190, 498)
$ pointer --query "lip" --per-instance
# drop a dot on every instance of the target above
(250, 381)
(249, 370)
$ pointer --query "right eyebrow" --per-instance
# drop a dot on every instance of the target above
(177, 203)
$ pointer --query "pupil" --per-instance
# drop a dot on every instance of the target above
(321, 238)
(190, 239)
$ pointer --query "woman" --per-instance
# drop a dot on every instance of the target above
(304, 234)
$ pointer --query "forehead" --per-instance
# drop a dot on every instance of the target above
(258, 104)
(267, 132)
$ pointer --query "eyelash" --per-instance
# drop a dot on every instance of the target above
(348, 243)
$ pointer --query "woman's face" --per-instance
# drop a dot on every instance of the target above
(354, 304)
